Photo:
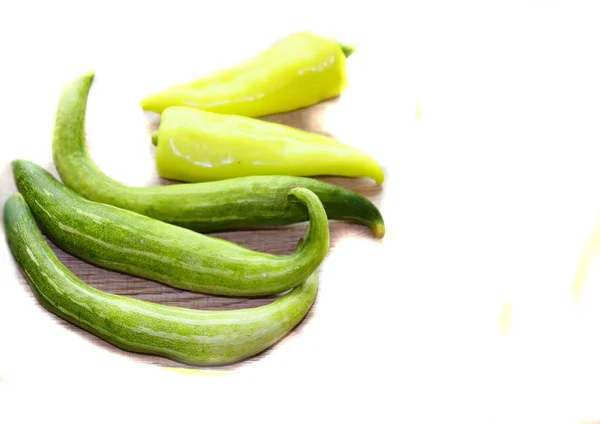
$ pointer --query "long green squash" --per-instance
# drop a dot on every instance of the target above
(238, 203)
(185, 335)
(125, 241)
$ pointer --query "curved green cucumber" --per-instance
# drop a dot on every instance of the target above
(125, 241)
(238, 203)
(185, 335)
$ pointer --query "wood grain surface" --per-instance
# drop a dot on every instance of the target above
(278, 241)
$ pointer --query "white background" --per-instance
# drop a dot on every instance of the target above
(486, 118)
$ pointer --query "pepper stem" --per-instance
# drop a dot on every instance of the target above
(348, 49)
(155, 138)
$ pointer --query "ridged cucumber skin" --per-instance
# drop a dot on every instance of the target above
(135, 244)
(237, 203)
(190, 336)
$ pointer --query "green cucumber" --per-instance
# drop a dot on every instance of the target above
(238, 203)
(125, 241)
(190, 336)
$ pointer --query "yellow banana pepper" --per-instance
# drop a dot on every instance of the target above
(301, 70)
(195, 145)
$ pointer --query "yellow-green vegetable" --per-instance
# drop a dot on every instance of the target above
(301, 70)
(195, 145)
(135, 244)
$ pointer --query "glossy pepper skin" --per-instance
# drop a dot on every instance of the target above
(301, 70)
(194, 146)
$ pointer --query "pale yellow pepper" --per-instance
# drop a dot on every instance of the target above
(301, 70)
(195, 145)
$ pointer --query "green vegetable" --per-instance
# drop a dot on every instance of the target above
(125, 241)
(191, 336)
(196, 145)
(239, 203)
